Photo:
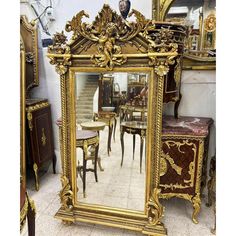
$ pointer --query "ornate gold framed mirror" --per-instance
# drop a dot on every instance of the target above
(116, 47)
(200, 18)
(29, 35)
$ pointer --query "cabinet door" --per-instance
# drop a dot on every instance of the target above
(179, 165)
(41, 135)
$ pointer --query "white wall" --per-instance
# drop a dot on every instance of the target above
(198, 86)
(199, 98)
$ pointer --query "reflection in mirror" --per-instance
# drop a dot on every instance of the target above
(199, 16)
(111, 123)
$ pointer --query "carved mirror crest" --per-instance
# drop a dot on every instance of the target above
(138, 57)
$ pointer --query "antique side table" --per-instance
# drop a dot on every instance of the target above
(133, 127)
(184, 159)
(94, 126)
(85, 139)
(109, 118)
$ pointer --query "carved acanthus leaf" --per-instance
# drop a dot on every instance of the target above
(66, 194)
(155, 209)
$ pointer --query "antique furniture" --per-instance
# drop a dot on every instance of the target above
(40, 146)
(184, 159)
(109, 118)
(29, 35)
(27, 207)
(133, 127)
(85, 139)
(107, 45)
(127, 112)
(94, 126)
(200, 18)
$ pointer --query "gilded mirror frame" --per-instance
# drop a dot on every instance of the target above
(29, 35)
(111, 44)
(160, 9)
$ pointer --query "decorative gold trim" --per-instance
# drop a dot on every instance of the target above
(155, 209)
(23, 214)
(35, 167)
(33, 108)
(66, 194)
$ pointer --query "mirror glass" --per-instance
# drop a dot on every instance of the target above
(200, 18)
(111, 169)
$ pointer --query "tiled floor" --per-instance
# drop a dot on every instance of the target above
(118, 187)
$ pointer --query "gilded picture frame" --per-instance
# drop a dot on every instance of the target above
(107, 49)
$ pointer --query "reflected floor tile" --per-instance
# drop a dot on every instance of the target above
(136, 204)
(115, 201)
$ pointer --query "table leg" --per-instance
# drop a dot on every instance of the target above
(114, 134)
(133, 145)
(99, 164)
(109, 139)
(95, 163)
(84, 173)
(141, 153)
(122, 145)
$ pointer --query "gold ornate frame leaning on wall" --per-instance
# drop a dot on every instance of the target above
(111, 44)
(196, 60)
(29, 35)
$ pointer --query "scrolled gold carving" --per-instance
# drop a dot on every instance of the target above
(177, 74)
(167, 157)
(66, 194)
(163, 166)
(107, 31)
(23, 214)
(188, 183)
(33, 108)
(162, 70)
(154, 207)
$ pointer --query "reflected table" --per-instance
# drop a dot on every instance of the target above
(94, 126)
(109, 118)
(85, 139)
(133, 127)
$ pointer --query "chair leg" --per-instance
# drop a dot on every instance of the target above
(54, 161)
(133, 145)
(84, 174)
